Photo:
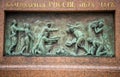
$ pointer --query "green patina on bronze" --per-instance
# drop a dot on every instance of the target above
(92, 40)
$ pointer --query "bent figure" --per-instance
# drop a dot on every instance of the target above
(79, 37)
(41, 47)
(97, 47)
(43, 38)
(96, 27)
(48, 29)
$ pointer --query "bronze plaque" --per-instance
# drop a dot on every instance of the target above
(59, 33)
(63, 38)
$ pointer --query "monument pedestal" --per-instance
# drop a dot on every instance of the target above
(59, 11)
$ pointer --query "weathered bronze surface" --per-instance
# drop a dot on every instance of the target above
(84, 11)
(59, 34)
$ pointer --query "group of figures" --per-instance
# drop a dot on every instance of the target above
(92, 42)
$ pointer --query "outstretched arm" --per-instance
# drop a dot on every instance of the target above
(97, 30)
(31, 36)
(13, 34)
(20, 29)
(52, 40)
(52, 29)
